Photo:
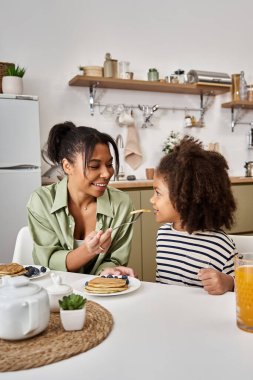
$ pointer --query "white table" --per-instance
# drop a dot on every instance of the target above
(159, 332)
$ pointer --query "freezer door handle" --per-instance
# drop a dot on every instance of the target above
(20, 167)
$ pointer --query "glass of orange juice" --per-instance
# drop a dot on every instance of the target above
(244, 291)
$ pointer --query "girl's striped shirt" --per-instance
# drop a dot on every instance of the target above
(181, 255)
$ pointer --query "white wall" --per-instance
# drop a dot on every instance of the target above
(53, 37)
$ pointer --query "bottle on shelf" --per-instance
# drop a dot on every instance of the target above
(243, 86)
(235, 89)
(110, 67)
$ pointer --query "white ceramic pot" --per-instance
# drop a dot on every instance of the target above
(57, 291)
(73, 319)
(24, 308)
(12, 85)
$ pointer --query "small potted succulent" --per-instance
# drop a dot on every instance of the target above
(72, 312)
(12, 81)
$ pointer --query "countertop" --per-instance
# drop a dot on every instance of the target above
(143, 183)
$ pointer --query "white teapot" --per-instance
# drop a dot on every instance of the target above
(24, 308)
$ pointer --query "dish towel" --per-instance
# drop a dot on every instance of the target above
(132, 153)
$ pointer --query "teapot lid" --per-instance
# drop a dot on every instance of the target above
(19, 286)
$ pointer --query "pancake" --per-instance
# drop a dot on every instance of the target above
(105, 285)
(12, 269)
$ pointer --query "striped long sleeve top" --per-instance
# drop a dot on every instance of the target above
(181, 255)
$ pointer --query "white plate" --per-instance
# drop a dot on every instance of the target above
(41, 274)
(133, 285)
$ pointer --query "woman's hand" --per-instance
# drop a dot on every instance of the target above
(215, 282)
(118, 271)
(98, 242)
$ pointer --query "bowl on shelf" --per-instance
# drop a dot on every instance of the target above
(92, 71)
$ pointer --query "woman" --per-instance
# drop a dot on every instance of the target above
(72, 221)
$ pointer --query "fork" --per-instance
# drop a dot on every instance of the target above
(136, 216)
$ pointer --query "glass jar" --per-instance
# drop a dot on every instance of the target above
(124, 70)
(153, 75)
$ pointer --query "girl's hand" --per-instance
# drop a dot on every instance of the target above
(215, 282)
(98, 242)
(118, 271)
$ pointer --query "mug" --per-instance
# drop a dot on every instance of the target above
(150, 173)
(244, 291)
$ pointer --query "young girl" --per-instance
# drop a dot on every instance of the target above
(64, 217)
(192, 195)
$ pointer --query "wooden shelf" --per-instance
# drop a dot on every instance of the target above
(142, 85)
(238, 104)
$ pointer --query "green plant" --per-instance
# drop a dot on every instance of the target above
(15, 71)
(172, 140)
(72, 302)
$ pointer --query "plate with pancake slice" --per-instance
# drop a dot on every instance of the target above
(30, 271)
(106, 286)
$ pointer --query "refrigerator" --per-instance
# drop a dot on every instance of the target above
(20, 165)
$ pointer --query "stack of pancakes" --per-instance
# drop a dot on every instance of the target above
(105, 285)
(12, 269)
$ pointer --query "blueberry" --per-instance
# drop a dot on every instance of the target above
(36, 271)
(29, 272)
(127, 281)
(124, 277)
(110, 276)
(86, 283)
(103, 276)
(43, 269)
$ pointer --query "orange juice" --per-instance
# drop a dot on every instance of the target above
(244, 296)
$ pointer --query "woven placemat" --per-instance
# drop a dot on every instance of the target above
(55, 343)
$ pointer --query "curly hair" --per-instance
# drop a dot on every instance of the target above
(199, 186)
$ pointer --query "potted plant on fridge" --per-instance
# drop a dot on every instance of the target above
(72, 312)
(12, 81)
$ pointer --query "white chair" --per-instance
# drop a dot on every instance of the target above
(23, 247)
(243, 243)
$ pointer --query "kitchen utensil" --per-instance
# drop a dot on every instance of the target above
(137, 214)
(24, 308)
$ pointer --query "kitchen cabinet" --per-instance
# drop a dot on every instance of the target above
(243, 194)
(143, 251)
